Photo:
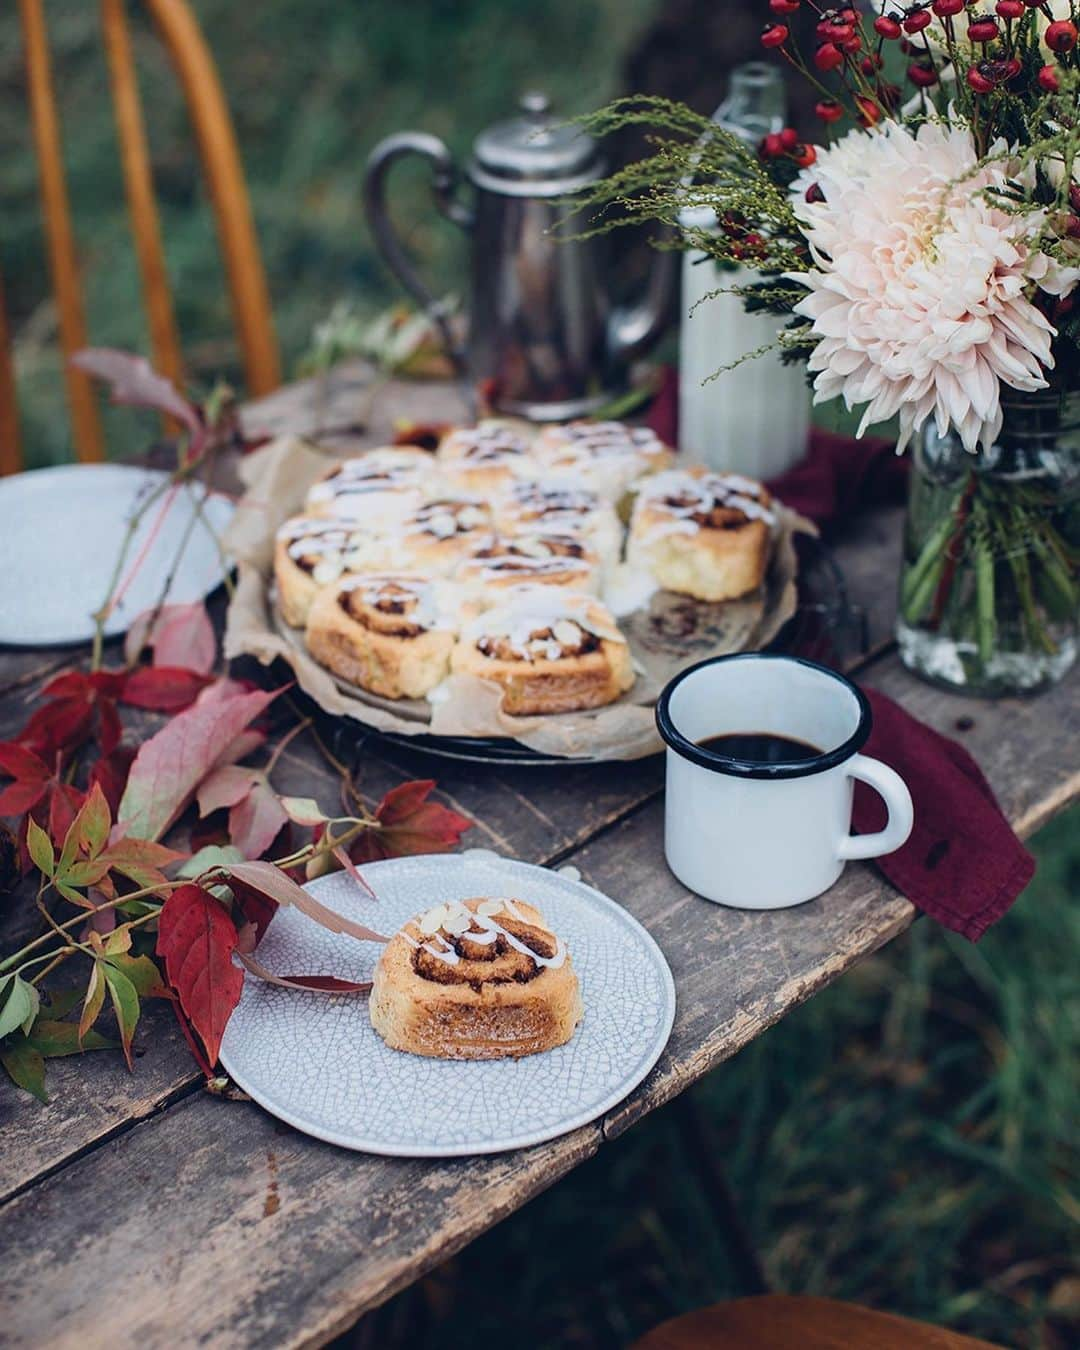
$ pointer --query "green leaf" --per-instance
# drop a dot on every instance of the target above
(303, 810)
(19, 1004)
(125, 1001)
(39, 847)
(69, 893)
(52, 1039)
(26, 1069)
(143, 973)
(212, 855)
(93, 822)
(87, 873)
(92, 1004)
(59, 1002)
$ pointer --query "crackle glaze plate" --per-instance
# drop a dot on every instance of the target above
(315, 1061)
(62, 533)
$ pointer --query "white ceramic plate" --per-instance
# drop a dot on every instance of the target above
(314, 1060)
(61, 535)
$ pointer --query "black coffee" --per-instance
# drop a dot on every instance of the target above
(760, 747)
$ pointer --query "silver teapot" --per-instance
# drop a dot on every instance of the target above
(541, 327)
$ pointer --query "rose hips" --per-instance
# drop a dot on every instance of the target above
(887, 26)
(869, 112)
(828, 56)
(945, 9)
(1010, 9)
(774, 35)
(982, 84)
(1047, 80)
(922, 75)
(804, 156)
(829, 110)
(772, 147)
(783, 6)
(789, 138)
(983, 29)
(915, 23)
(870, 64)
(1061, 36)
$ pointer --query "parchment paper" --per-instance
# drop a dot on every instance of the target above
(670, 633)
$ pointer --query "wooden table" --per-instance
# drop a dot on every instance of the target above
(232, 1229)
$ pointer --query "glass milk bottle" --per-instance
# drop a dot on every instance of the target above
(754, 419)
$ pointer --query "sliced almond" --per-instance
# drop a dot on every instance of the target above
(432, 921)
(326, 571)
(567, 634)
(489, 907)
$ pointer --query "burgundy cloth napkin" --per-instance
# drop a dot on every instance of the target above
(963, 865)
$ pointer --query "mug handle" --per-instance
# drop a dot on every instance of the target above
(892, 788)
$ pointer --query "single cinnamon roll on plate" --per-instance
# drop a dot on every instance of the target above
(475, 979)
(495, 562)
(604, 457)
(701, 533)
(559, 507)
(311, 552)
(439, 534)
(550, 650)
(390, 633)
(377, 488)
(487, 458)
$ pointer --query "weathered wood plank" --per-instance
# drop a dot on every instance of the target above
(736, 973)
(233, 1230)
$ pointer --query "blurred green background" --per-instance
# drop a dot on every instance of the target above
(907, 1138)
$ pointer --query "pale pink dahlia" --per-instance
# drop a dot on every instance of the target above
(919, 285)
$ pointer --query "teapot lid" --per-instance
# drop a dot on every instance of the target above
(534, 155)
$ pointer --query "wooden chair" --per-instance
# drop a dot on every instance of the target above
(787, 1322)
(221, 164)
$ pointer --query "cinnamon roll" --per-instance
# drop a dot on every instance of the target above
(549, 649)
(604, 457)
(487, 458)
(475, 979)
(562, 508)
(702, 534)
(376, 488)
(311, 552)
(437, 535)
(389, 633)
(495, 562)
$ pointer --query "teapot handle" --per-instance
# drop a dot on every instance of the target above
(444, 183)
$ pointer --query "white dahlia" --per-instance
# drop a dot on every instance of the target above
(919, 290)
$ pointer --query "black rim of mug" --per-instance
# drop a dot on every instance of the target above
(744, 768)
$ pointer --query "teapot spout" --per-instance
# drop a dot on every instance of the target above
(633, 329)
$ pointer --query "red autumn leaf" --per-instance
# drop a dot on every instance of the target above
(137, 384)
(410, 824)
(256, 907)
(257, 819)
(78, 705)
(196, 940)
(163, 688)
(110, 773)
(270, 881)
(327, 984)
(180, 635)
(170, 766)
(31, 775)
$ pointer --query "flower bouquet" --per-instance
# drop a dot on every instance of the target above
(923, 257)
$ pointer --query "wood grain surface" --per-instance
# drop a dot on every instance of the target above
(244, 1232)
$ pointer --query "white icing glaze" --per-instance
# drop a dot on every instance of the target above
(525, 611)
(489, 930)
(700, 494)
(430, 605)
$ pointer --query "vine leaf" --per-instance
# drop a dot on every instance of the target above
(327, 984)
(19, 1004)
(170, 766)
(26, 1068)
(196, 939)
(136, 383)
(181, 636)
(164, 688)
(125, 1002)
(410, 824)
(271, 882)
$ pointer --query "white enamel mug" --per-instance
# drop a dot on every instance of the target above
(766, 836)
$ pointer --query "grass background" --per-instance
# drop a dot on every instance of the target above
(907, 1138)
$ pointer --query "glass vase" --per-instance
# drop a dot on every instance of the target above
(990, 586)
